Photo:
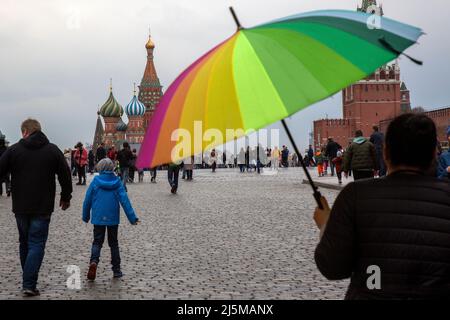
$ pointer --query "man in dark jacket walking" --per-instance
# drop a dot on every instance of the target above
(33, 163)
(311, 156)
(361, 158)
(377, 139)
(124, 157)
(100, 154)
(391, 235)
(331, 153)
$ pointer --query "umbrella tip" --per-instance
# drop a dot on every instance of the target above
(238, 23)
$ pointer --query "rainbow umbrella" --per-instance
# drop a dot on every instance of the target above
(266, 73)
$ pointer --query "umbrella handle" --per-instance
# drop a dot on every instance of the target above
(317, 195)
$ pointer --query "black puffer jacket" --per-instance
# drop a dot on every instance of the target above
(332, 150)
(360, 155)
(400, 223)
(33, 163)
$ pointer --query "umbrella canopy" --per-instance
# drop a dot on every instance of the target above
(267, 73)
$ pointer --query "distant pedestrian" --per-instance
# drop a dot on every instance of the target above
(241, 160)
(173, 173)
(311, 156)
(285, 157)
(4, 179)
(331, 153)
(100, 154)
(153, 172)
(124, 158)
(294, 160)
(377, 139)
(319, 162)
(133, 166)
(34, 163)
(141, 175)
(444, 162)
(73, 168)
(337, 163)
(213, 160)
(247, 158)
(361, 158)
(189, 168)
(102, 207)
(275, 158)
(91, 161)
(224, 158)
(325, 160)
(81, 161)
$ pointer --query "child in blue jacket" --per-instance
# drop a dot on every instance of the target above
(104, 197)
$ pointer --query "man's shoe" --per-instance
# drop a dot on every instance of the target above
(29, 293)
(92, 273)
(173, 189)
(8, 194)
(117, 274)
(78, 183)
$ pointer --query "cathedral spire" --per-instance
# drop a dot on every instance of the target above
(150, 90)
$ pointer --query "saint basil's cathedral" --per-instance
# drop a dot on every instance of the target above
(139, 110)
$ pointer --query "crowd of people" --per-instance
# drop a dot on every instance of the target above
(363, 158)
(399, 223)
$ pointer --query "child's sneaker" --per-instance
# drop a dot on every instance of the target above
(117, 274)
(92, 273)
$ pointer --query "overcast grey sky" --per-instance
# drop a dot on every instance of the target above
(57, 56)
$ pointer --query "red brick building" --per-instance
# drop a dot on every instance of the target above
(442, 119)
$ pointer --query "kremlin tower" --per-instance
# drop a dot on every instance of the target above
(139, 111)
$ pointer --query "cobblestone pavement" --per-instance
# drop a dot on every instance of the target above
(224, 236)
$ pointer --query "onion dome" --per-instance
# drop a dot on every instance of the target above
(121, 126)
(111, 108)
(150, 44)
(135, 107)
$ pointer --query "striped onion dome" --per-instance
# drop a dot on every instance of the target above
(135, 107)
(111, 108)
(121, 126)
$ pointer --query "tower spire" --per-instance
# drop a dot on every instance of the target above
(110, 85)
(150, 90)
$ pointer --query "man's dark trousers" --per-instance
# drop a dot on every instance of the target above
(33, 234)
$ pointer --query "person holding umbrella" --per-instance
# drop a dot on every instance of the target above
(397, 226)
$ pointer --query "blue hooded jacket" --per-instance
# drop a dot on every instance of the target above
(444, 163)
(104, 197)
